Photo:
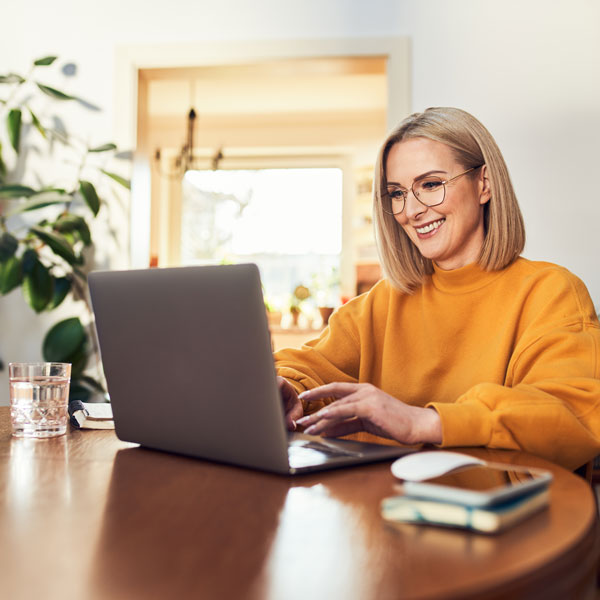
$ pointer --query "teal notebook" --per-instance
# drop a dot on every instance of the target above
(489, 519)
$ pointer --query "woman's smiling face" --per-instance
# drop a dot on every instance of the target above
(452, 233)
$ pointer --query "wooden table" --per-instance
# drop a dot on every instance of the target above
(88, 517)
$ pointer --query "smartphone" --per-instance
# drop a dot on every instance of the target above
(480, 485)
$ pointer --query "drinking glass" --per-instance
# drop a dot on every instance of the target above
(39, 394)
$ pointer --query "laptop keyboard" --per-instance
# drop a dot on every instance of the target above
(330, 449)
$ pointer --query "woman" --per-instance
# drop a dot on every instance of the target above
(463, 343)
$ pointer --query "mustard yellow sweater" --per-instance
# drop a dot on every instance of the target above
(508, 359)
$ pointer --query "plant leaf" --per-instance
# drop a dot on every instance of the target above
(124, 182)
(67, 342)
(54, 93)
(28, 260)
(44, 62)
(58, 244)
(79, 361)
(2, 165)
(13, 123)
(88, 191)
(37, 124)
(62, 286)
(11, 275)
(11, 78)
(64, 340)
(70, 237)
(103, 148)
(84, 233)
(38, 286)
(45, 190)
(78, 391)
(8, 246)
(15, 190)
(74, 223)
(39, 201)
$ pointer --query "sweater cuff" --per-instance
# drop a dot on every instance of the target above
(463, 424)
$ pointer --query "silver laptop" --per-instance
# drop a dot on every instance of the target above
(187, 357)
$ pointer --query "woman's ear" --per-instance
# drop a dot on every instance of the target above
(485, 191)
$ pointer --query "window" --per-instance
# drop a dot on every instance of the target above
(287, 221)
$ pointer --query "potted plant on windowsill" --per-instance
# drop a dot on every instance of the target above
(46, 245)
(299, 295)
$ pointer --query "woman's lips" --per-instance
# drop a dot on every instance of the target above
(429, 229)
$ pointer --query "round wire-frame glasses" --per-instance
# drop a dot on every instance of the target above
(429, 191)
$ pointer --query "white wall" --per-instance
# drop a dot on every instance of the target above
(528, 69)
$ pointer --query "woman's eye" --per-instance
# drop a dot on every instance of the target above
(430, 185)
(396, 194)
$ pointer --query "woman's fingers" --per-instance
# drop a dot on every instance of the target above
(343, 392)
(330, 390)
(292, 406)
(365, 407)
(348, 408)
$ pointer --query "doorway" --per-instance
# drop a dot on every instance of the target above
(325, 112)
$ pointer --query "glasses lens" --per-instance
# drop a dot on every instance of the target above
(430, 190)
(396, 197)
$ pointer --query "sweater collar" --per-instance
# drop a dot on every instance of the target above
(460, 281)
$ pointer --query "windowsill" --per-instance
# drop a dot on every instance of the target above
(295, 329)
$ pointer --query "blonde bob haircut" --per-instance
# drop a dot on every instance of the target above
(472, 145)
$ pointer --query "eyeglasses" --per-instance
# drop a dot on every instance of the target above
(429, 191)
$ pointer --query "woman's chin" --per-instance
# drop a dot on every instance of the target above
(430, 252)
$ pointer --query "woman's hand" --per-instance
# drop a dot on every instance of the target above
(363, 407)
(292, 405)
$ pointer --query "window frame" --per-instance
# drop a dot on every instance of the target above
(166, 211)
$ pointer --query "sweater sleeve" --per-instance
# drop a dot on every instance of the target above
(550, 404)
(334, 356)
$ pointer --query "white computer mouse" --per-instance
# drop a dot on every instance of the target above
(424, 465)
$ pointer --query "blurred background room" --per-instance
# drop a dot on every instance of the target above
(248, 132)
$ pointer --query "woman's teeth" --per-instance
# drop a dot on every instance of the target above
(430, 227)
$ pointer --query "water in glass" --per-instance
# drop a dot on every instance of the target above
(38, 406)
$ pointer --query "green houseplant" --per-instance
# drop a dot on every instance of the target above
(46, 246)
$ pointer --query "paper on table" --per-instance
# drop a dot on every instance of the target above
(91, 415)
(99, 410)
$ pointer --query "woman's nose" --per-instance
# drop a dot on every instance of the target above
(412, 207)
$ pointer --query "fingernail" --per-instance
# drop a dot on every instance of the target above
(294, 426)
(310, 429)
(304, 394)
(302, 420)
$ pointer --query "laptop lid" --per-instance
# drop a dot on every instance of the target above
(187, 357)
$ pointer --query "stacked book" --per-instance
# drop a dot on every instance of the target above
(486, 519)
